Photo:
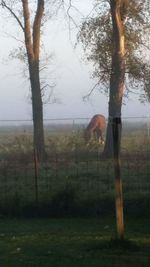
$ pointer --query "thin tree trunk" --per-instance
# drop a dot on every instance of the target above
(32, 42)
(108, 148)
(115, 103)
(116, 131)
(117, 72)
(37, 110)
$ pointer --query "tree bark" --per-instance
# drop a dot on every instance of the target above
(37, 110)
(112, 146)
(117, 72)
(116, 130)
(32, 42)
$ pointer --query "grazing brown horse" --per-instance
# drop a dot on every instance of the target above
(95, 128)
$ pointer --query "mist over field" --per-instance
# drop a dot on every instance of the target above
(74, 187)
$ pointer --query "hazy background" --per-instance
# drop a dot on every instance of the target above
(66, 69)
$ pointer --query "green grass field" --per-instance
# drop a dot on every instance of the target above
(73, 243)
(74, 176)
(74, 181)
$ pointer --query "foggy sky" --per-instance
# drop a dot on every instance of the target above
(66, 70)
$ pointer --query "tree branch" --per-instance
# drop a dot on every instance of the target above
(4, 5)
(36, 28)
(27, 31)
(13, 37)
(86, 97)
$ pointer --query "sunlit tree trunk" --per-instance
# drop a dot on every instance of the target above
(115, 103)
(117, 71)
(32, 43)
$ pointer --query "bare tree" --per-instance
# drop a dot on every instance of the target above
(32, 34)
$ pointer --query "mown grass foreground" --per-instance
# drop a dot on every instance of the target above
(73, 243)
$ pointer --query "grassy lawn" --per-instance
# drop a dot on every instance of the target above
(73, 243)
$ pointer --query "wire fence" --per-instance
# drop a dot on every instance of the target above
(13, 126)
(71, 169)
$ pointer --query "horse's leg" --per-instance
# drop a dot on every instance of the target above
(102, 139)
(94, 134)
(100, 136)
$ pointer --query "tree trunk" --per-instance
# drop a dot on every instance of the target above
(108, 148)
(117, 72)
(115, 103)
(37, 110)
(32, 43)
(116, 131)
